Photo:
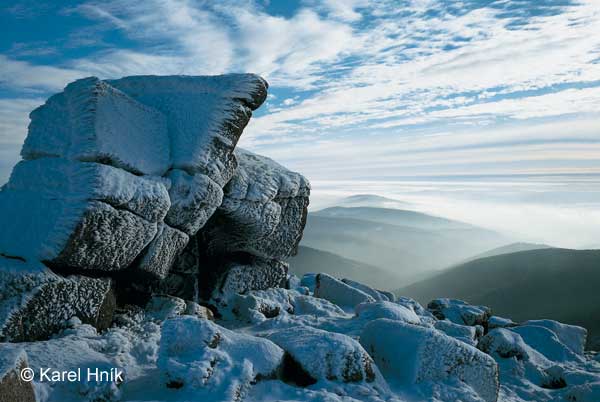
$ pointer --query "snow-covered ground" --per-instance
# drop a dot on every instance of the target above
(288, 345)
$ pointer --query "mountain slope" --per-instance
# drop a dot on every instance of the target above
(552, 283)
(377, 237)
(312, 260)
(371, 200)
(393, 216)
(510, 248)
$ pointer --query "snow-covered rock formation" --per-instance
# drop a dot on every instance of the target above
(136, 239)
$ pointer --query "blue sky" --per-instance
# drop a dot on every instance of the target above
(362, 91)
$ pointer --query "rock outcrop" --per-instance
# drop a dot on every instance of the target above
(120, 182)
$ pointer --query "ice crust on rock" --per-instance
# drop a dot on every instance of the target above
(92, 121)
(263, 211)
(205, 116)
(35, 303)
(86, 215)
(162, 251)
(410, 354)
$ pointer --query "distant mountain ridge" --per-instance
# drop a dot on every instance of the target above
(309, 260)
(560, 284)
(407, 244)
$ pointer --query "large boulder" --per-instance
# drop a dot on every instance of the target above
(321, 355)
(329, 288)
(410, 354)
(460, 312)
(82, 215)
(219, 279)
(386, 309)
(572, 336)
(263, 211)
(213, 361)
(12, 386)
(35, 303)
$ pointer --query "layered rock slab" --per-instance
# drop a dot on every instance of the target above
(83, 215)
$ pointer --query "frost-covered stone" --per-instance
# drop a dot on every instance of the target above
(412, 354)
(414, 306)
(500, 322)
(506, 344)
(572, 336)
(12, 387)
(196, 310)
(388, 295)
(376, 295)
(92, 121)
(263, 211)
(160, 255)
(386, 309)
(79, 214)
(205, 116)
(251, 273)
(459, 312)
(35, 303)
(194, 198)
(547, 343)
(161, 308)
(326, 355)
(464, 333)
(259, 305)
(336, 291)
(199, 354)
(309, 281)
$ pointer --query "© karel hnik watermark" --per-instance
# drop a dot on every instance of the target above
(88, 374)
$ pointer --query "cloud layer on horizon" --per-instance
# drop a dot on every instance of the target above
(360, 89)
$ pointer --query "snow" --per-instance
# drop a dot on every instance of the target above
(340, 358)
(367, 289)
(409, 354)
(336, 291)
(459, 311)
(500, 322)
(164, 344)
(92, 121)
(546, 342)
(386, 309)
(263, 210)
(201, 113)
(464, 333)
(47, 198)
(219, 363)
(572, 336)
